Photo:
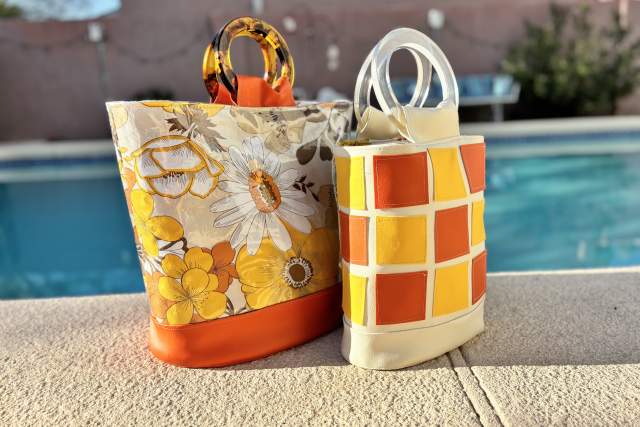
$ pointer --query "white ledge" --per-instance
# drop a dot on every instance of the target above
(36, 150)
(560, 348)
(559, 126)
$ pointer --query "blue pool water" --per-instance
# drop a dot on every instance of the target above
(563, 212)
(73, 236)
(66, 237)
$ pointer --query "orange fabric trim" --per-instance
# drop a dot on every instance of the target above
(452, 233)
(478, 277)
(400, 180)
(353, 238)
(253, 91)
(249, 336)
(473, 158)
(401, 297)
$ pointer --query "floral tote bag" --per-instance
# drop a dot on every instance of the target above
(410, 193)
(233, 211)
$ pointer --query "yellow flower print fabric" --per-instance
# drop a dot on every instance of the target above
(151, 228)
(232, 208)
(190, 285)
(309, 266)
(173, 165)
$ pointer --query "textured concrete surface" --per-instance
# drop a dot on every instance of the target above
(559, 349)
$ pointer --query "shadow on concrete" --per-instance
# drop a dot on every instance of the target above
(569, 319)
(323, 351)
(582, 318)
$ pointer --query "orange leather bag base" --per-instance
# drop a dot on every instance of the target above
(249, 336)
(253, 91)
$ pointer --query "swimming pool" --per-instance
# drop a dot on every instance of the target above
(65, 230)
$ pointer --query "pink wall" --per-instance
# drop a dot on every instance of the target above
(56, 93)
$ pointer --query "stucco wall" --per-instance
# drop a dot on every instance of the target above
(56, 93)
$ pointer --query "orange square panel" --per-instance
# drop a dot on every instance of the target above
(478, 277)
(353, 238)
(452, 233)
(401, 297)
(400, 180)
(473, 158)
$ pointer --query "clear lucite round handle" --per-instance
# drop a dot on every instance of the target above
(418, 44)
(364, 83)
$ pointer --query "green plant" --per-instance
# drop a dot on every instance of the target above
(569, 67)
(9, 11)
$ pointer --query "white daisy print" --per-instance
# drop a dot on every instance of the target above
(261, 198)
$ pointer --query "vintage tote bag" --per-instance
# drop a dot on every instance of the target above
(410, 200)
(233, 209)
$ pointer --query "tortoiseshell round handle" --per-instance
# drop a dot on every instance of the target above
(216, 65)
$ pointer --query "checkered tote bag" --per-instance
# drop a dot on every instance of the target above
(410, 192)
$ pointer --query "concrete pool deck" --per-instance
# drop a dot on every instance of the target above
(560, 348)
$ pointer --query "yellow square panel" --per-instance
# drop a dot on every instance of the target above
(448, 182)
(451, 291)
(477, 223)
(350, 182)
(401, 239)
(354, 290)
